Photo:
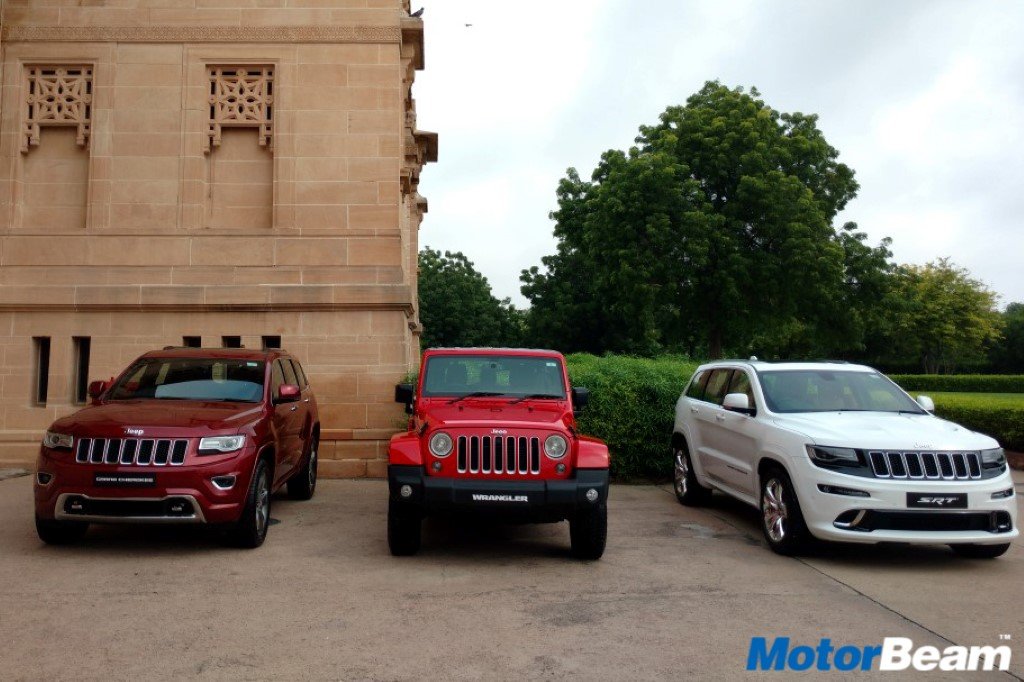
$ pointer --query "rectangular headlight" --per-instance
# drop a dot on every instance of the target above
(993, 458)
(833, 456)
(54, 440)
(215, 445)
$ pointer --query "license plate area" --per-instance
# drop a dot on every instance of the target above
(116, 480)
(937, 500)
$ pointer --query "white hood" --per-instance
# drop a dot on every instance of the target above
(884, 430)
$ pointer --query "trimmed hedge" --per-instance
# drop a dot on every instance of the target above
(961, 383)
(632, 408)
(994, 416)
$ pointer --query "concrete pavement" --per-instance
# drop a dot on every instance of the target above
(679, 594)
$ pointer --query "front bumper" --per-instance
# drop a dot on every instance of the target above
(532, 501)
(176, 495)
(888, 517)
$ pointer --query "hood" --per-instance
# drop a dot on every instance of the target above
(476, 412)
(884, 430)
(159, 418)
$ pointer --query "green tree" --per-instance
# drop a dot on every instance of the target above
(1007, 356)
(941, 316)
(457, 307)
(713, 232)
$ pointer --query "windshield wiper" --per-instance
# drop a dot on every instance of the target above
(536, 396)
(475, 394)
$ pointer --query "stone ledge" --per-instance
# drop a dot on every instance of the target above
(208, 34)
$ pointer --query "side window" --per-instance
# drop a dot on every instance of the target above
(289, 373)
(276, 378)
(741, 384)
(718, 382)
(299, 374)
(696, 388)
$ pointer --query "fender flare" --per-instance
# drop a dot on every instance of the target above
(592, 454)
(404, 449)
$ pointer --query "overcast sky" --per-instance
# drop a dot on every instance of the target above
(924, 100)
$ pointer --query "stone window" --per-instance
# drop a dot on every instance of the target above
(57, 96)
(241, 97)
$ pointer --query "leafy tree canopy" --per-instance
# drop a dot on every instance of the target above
(714, 231)
(457, 307)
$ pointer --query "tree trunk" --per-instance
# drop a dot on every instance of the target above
(715, 342)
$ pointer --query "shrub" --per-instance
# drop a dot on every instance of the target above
(632, 408)
(991, 416)
(961, 383)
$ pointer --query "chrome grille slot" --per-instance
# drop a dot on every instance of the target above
(523, 454)
(461, 460)
(132, 451)
(474, 454)
(499, 455)
(510, 455)
(949, 466)
(534, 455)
(486, 447)
(113, 451)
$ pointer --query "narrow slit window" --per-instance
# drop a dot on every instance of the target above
(271, 342)
(192, 341)
(231, 341)
(41, 376)
(83, 347)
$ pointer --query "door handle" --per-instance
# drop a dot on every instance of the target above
(306, 400)
(294, 408)
(720, 417)
(694, 410)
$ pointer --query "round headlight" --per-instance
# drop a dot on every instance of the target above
(441, 444)
(555, 446)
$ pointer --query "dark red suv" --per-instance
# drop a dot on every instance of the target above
(184, 435)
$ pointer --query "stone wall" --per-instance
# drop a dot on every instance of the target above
(170, 169)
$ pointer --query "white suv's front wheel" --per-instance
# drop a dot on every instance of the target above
(781, 519)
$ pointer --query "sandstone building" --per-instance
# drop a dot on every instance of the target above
(225, 172)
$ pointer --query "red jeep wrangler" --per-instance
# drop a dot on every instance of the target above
(493, 431)
(184, 435)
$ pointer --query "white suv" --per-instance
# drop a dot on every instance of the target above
(839, 452)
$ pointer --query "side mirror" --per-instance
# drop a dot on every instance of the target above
(288, 393)
(96, 389)
(926, 403)
(580, 398)
(739, 402)
(405, 394)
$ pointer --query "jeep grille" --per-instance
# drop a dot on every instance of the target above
(947, 466)
(131, 451)
(498, 454)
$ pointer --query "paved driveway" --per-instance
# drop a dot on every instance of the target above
(679, 594)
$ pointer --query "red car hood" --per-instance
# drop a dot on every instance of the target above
(159, 418)
(480, 412)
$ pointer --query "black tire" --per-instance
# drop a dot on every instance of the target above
(60, 532)
(588, 532)
(981, 551)
(302, 484)
(782, 522)
(684, 481)
(251, 529)
(404, 530)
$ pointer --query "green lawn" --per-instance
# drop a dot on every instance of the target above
(975, 399)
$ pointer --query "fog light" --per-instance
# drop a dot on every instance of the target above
(592, 495)
(559, 468)
(840, 490)
(1002, 494)
(43, 478)
(436, 466)
(405, 491)
(223, 482)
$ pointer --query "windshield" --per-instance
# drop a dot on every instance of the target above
(464, 375)
(833, 391)
(192, 379)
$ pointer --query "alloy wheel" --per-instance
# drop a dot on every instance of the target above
(775, 513)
